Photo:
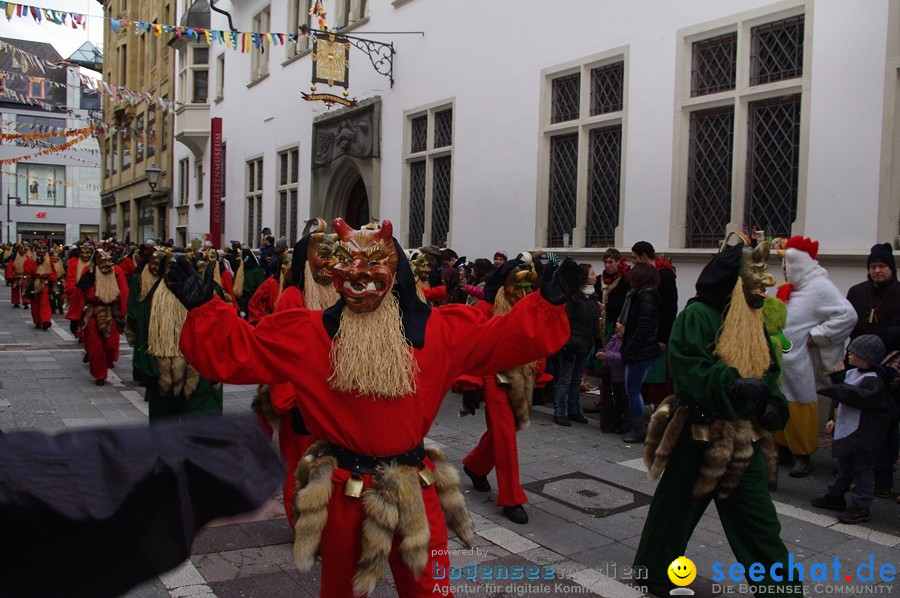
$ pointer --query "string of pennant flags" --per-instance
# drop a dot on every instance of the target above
(115, 92)
(52, 149)
(63, 182)
(22, 59)
(243, 41)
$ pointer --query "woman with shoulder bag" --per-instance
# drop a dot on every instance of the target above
(637, 326)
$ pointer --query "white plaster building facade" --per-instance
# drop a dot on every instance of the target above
(568, 126)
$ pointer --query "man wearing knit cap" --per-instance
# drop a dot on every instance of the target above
(877, 305)
(499, 259)
(877, 300)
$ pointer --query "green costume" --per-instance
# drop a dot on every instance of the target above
(704, 384)
(207, 396)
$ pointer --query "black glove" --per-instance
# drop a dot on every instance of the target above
(298, 424)
(470, 401)
(769, 416)
(558, 287)
(86, 281)
(750, 390)
(186, 284)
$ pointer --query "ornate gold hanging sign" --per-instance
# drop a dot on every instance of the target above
(331, 66)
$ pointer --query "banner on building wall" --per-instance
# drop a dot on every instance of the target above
(216, 170)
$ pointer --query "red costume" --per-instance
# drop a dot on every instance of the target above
(100, 323)
(78, 265)
(15, 271)
(42, 273)
(262, 303)
(506, 406)
(292, 444)
(293, 346)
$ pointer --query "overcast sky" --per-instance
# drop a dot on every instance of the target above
(65, 39)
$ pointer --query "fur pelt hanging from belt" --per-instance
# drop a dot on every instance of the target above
(166, 318)
(262, 405)
(393, 507)
(103, 314)
(519, 385)
(730, 447)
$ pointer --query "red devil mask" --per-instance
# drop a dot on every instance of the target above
(366, 262)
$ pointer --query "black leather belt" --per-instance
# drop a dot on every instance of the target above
(359, 463)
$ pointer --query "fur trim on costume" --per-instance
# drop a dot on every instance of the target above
(311, 505)
(381, 505)
(663, 434)
(715, 459)
(520, 391)
(191, 380)
(768, 448)
(262, 405)
(103, 315)
(452, 502)
(412, 525)
(740, 457)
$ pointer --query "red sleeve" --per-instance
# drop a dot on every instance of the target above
(228, 286)
(435, 294)
(261, 303)
(127, 266)
(291, 298)
(123, 291)
(70, 275)
(532, 330)
(10, 269)
(29, 267)
(269, 353)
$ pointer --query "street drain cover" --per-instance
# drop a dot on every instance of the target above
(588, 494)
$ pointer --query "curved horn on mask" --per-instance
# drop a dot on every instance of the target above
(386, 231)
(314, 225)
(341, 228)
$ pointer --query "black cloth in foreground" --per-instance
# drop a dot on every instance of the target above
(95, 512)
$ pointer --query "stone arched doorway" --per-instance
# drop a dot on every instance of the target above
(357, 211)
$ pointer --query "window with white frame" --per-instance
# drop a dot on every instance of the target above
(193, 77)
(184, 171)
(224, 178)
(428, 159)
(259, 58)
(36, 88)
(582, 116)
(254, 200)
(349, 12)
(198, 180)
(298, 16)
(742, 115)
(288, 183)
(220, 76)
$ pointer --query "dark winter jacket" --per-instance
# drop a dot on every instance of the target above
(584, 322)
(641, 318)
(883, 298)
(864, 413)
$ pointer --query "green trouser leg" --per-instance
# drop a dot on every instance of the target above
(748, 519)
(206, 398)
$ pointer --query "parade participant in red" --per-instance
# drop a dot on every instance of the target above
(57, 287)
(41, 273)
(15, 271)
(507, 399)
(309, 285)
(370, 373)
(78, 265)
(106, 303)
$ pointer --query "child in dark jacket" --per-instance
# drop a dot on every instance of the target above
(859, 427)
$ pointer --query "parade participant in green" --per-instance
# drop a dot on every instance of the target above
(713, 440)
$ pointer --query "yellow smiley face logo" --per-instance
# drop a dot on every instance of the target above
(682, 571)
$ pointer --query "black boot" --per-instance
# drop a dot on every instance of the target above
(638, 430)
